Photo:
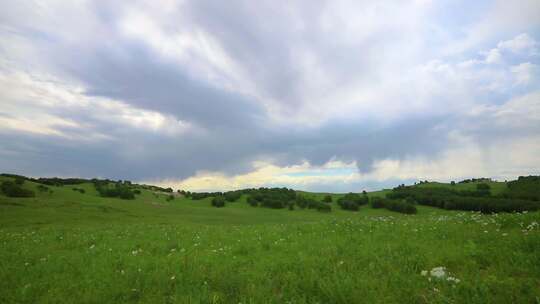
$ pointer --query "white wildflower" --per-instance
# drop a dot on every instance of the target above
(452, 279)
(424, 273)
(438, 272)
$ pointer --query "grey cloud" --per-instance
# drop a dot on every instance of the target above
(233, 129)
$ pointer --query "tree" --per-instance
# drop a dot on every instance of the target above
(12, 189)
(327, 198)
(218, 201)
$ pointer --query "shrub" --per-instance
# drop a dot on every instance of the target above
(80, 190)
(451, 199)
(327, 198)
(203, 195)
(170, 197)
(218, 201)
(252, 201)
(232, 196)
(11, 189)
(19, 180)
(410, 200)
(490, 205)
(126, 194)
(275, 198)
(324, 207)
(377, 202)
(348, 205)
(42, 188)
(400, 206)
(525, 187)
(352, 201)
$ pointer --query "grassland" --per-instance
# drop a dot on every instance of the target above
(68, 247)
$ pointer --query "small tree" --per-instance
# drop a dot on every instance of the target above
(218, 201)
(327, 198)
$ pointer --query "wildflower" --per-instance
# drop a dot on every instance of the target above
(92, 247)
(173, 278)
(505, 234)
(424, 273)
(452, 279)
(438, 272)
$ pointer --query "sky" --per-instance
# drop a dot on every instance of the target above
(314, 95)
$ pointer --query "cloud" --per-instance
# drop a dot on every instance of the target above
(522, 43)
(525, 73)
(249, 93)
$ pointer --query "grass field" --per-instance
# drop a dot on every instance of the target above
(68, 247)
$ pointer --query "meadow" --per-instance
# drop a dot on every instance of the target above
(73, 247)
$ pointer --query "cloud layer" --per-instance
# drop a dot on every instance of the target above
(339, 96)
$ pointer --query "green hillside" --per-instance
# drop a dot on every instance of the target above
(66, 246)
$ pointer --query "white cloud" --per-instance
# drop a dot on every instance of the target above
(525, 73)
(522, 43)
(493, 56)
(43, 104)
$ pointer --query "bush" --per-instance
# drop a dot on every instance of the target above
(80, 190)
(119, 190)
(218, 201)
(327, 198)
(203, 195)
(232, 196)
(275, 198)
(19, 180)
(352, 201)
(42, 188)
(11, 189)
(400, 206)
(377, 202)
(490, 205)
(525, 187)
(451, 199)
(170, 197)
(410, 200)
(324, 207)
(252, 201)
(348, 205)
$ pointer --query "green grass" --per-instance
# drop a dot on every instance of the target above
(68, 247)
